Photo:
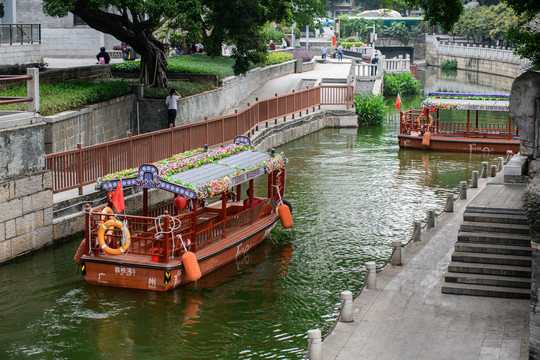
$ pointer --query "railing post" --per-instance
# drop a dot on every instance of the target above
(474, 179)
(509, 155)
(80, 178)
(417, 231)
(32, 89)
(87, 234)
(314, 344)
(166, 238)
(462, 190)
(396, 252)
(346, 307)
(130, 152)
(449, 203)
(430, 219)
(294, 102)
(371, 275)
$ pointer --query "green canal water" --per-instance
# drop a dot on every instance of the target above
(353, 192)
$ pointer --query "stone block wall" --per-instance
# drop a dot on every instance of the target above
(90, 125)
(78, 42)
(21, 150)
(534, 316)
(21, 54)
(26, 213)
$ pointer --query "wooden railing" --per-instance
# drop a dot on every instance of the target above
(76, 168)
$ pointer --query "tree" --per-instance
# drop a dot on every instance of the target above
(526, 38)
(213, 21)
(442, 13)
(131, 21)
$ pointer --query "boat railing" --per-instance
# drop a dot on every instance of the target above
(149, 235)
(416, 121)
(233, 222)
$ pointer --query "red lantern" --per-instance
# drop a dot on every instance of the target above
(180, 203)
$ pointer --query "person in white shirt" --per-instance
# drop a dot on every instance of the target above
(283, 43)
(172, 106)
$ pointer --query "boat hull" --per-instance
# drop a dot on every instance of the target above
(126, 272)
(458, 144)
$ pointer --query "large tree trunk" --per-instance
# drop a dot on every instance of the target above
(153, 61)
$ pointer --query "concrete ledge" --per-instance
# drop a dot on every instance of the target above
(516, 169)
(12, 119)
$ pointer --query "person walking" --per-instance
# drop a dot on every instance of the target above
(324, 50)
(172, 106)
(103, 56)
(340, 52)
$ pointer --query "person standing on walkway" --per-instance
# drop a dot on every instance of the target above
(323, 52)
(374, 61)
(340, 52)
(172, 106)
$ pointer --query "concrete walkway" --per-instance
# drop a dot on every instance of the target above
(407, 316)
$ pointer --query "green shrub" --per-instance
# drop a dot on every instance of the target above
(277, 58)
(531, 206)
(348, 45)
(400, 84)
(275, 35)
(449, 64)
(56, 98)
(128, 66)
(184, 88)
(371, 109)
(449, 73)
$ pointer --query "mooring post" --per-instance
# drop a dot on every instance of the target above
(462, 190)
(500, 163)
(346, 307)
(449, 203)
(483, 174)
(417, 231)
(430, 219)
(314, 344)
(396, 252)
(509, 154)
(474, 179)
(493, 171)
(371, 277)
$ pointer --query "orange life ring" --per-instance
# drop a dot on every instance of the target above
(101, 237)
(425, 127)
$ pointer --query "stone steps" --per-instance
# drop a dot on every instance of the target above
(487, 248)
(477, 226)
(492, 256)
(494, 238)
(495, 218)
(483, 290)
(489, 280)
(488, 258)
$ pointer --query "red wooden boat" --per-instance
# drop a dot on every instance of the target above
(180, 241)
(418, 129)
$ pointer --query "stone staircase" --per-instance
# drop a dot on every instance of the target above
(492, 256)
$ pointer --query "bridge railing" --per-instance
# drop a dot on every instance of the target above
(14, 34)
(32, 89)
(76, 168)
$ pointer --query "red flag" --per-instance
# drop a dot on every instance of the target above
(398, 102)
(118, 198)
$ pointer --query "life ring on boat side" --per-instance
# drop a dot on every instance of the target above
(425, 127)
(101, 237)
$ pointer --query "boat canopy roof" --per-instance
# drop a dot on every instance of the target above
(466, 101)
(199, 173)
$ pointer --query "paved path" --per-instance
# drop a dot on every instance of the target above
(407, 316)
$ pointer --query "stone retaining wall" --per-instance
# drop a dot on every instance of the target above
(21, 54)
(90, 125)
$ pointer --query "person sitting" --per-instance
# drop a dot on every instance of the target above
(272, 46)
(283, 43)
(248, 204)
(103, 56)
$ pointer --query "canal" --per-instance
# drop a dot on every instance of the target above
(353, 192)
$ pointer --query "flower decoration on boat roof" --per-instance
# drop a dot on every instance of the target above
(468, 96)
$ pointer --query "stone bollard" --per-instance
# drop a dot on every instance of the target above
(493, 171)
(371, 275)
(314, 344)
(449, 203)
(509, 154)
(500, 162)
(483, 174)
(417, 231)
(346, 307)
(396, 252)
(430, 219)
(474, 180)
(462, 190)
